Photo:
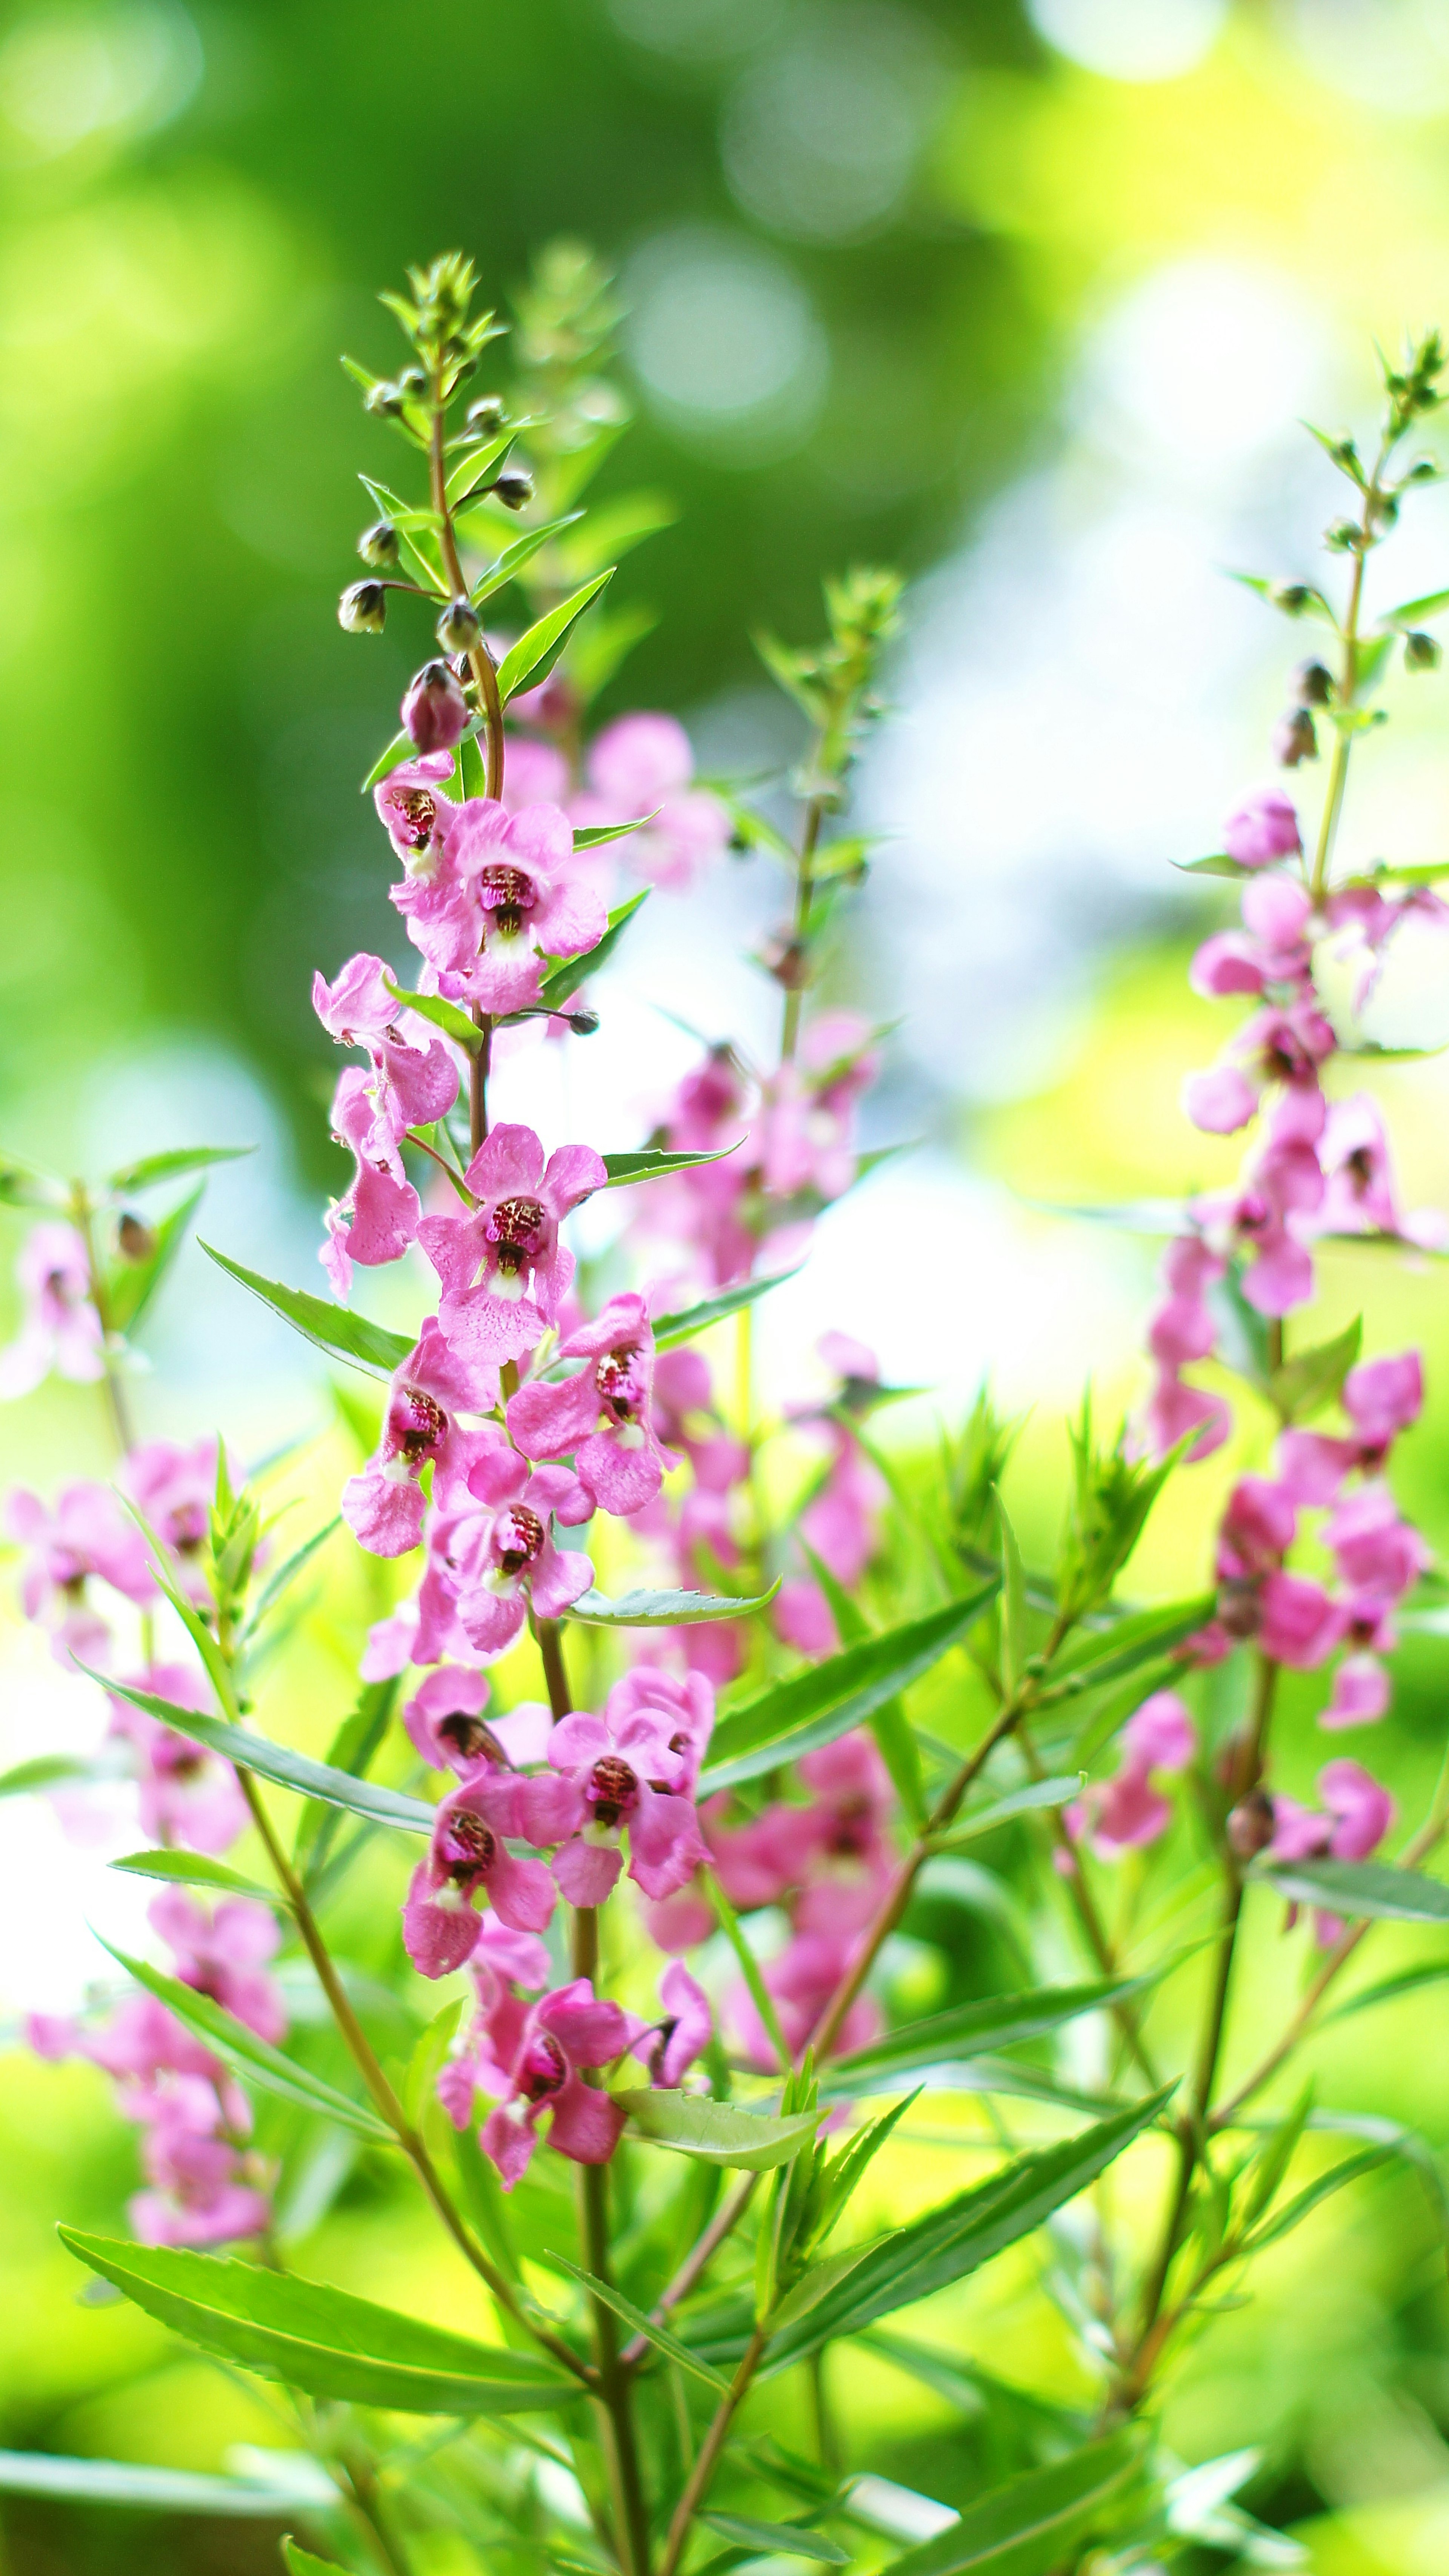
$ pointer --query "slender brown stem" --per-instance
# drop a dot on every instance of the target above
(480, 660)
(701, 2254)
(1084, 1906)
(480, 1063)
(556, 1680)
(696, 2485)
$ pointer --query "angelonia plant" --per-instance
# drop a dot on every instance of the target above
(632, 1925)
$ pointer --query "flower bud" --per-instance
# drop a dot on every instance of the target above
(1422, 652)
(386, 399)
(433, 712)
(135, 1240)
(1294, 738)
(412, 383)
(458, 629)
(362, 610)
(1250, 1825)
(379, 544)
(1291, 596)
(514, 487)
(585, 1024)
(486, 416)
(1312, 684)
(1344, 537)
(1423, 470)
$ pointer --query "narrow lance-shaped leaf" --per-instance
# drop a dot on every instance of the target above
(971, 2029)
(344, 1336)
(1315, 1377)
(255, 2058)
(506, 566)
(635, 2317)
(131, 1285)
(778, 2539)
(1013, 1603)
(278, 1763)
(1033, 1799)
(320, 2339)
(1370, 1890)
(445, 1015)
(197, 1869)
(134, 1177)
(563, 981)
(667, 1609)
(350, 1751)
(948, 2243)
(531, 659)
(670, 1330)
(889, 1723)
(814, 1707)
(1305, 2202)
(718, 2133)
(51, 1771)
(288, 1571)
(146, 2490)
(1101, 1655)
(1038, 2522)
(652, 1163)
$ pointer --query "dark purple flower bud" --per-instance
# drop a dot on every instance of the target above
(1344, 537)
(378, 544)
(135, 1240)
(1250, 1825)
(485, 417)
(585, 1024)
(514, 487)
(1422, 653)
(1312, 684)
(433, 712)
(1293, 597)
(384, 398)
(458, 629)
(1294, 738)
(362, 610)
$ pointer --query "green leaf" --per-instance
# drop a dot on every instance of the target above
(1097, 1656)
(129, 2482)
(890, 1725)
(760, 1995)
(1242, 1331)
(468, 473)
(560, 986)
(972, 2029)
(47, 1771)
(277, 1762)
(1125, 1216)
(300, 2562)
(1313, 1378)
(22, 1185)
(320, 2339)
(131, 1285)
(590, 836)
(287, 1572)
(614, 530)
(1370, 1890)
(669, 1330)
(815, 1706)
(344, 1336)
(947, 2244)
(1305, 2202)
(196, 1869)
(1387, 1990)
(429, 2054)
(400, 748)
(1028, 1801)
(655, 2333)
(1013, 1603)
(667, 1609)
(531, 659)
(1293, 599)
(444, 1015)
(1273, 2157)
(134, 1177)
(256, 2058)
(1413, 612)
(1037, 2522)
(506, 566)
(350, 1751)
(1219, 865)
(651, 1164)
(606, 642)
(780, 2539)
(717, 2133)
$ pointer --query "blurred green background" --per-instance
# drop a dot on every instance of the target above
(1025, 301)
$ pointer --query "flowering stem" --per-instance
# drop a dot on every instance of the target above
(1348, 682)
(696, 2485)
(799, 943)
(701, 2254)
(480, 1062)
(117, 1399)
(1084, 1905)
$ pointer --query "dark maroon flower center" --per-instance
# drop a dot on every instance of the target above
(612, 1786)
(415, 813)
(188, 1528)
(519, 1228)
(619, 1380)
(416, 1424)
(520, 1538)
(1239, 1608)
(544, 2068)
(508, 894)
(1360, 1167)
(849, 1827)
(466, 1845)
(1285, 1058)
(470, 1737)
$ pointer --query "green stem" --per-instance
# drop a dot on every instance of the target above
(799, 943)
(696, 2485)
(118, 1402)
(1347, 684)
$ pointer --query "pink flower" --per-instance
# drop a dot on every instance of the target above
(1258, 1527)
(415, 1079)
(1274, 1046)
(800, 1983)
(643, 764)
(1362, 1810)
(378, 1217)
(417, 816)
(1299, 1625)
(502, 1962)
(224, 1955)
(1272, 947)
(492, 1562)
(469, 1857)
(1172, 1410)
(87, 1537)
(1126, 1812)
(603, 1414)
(564, 2032)
(59, 1327)
(504, 1272)
(534, 773)
(434, 710)
(174, 1489)
(804, 1131)
(1361, 1693)
(390, 1643)
(384, 1506)
(445, 1725)
(1371, 921)
(188, 1795)
(618, 1770)
(1376, 1551)
(671, 2049)
(1383, 1398)
(509, 893)
(1361, 1196)
(1263, 828)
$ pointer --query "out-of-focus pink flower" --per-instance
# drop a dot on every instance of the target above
(503, 1961)
(1174, 1408)
(414, 1075)
(604, 1413)
(469, 1857)
(1126, 1812)
(384, 1506)
(1299, 1625)
(1375, 1550)
(643, 764)
(565, 2032)
(1275, 1046)
(1361, 1194)
(86, 1536)
(1371, 919)
(804, 1132)
(224, 1955)
(1263, 828)
(59, 1326)
(377, 1218)
(187, 1794)
(390, 1643)
(670, 2049)
(1361, 1693)
(1357, 1813)
(800, 1983)
(620, 1770)
(174, 1488)
(1258, 1527)
(1271, 948)
(504, 1272)
(534, 773)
